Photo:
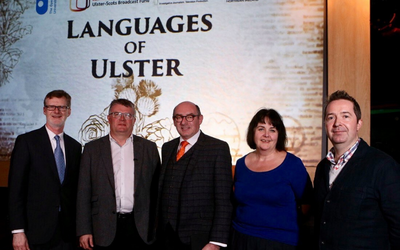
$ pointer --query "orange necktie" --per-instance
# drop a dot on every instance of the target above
(181, 150)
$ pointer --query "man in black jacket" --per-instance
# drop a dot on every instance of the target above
(42, 199)
(357, 187)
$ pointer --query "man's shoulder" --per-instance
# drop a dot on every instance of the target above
(34, 132)
(211, 140)
(71, 140)
(96, 141)
(373, 155)
(171, 143)
(142, 140)
(33, 135)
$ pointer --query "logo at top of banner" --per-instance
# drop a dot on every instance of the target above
(79, 5)
(42, 6)
(46, 6)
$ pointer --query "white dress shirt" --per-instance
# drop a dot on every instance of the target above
(123, 165)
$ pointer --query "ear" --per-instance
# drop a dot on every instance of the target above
(200, 119)
(359, 124)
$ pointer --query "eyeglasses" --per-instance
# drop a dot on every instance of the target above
(53, 107)
(118, 115)
(189, 118)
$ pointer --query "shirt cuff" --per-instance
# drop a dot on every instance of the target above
(17, 231)
(219, 244)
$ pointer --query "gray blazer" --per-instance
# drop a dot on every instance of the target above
(96, 206)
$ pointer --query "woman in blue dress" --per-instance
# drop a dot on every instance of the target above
(271, 188)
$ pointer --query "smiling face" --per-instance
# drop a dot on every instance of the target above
(121, 126)
(55, 120)
(341, 124)
(187, 129)
(265, 136)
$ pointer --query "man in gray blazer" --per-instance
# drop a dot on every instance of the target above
(194, 190)
(117, 188)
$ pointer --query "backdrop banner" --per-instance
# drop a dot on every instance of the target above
(231, 57)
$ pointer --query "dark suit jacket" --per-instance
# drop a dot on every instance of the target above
(96, 205)
(35, 189)
(205, 207)
(362, 209)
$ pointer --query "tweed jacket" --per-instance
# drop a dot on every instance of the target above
(205, 208)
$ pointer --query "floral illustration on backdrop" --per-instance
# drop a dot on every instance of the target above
(11, 31)
(145, 97)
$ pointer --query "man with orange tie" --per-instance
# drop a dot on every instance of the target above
(195, 186)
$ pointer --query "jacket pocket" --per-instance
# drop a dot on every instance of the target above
(95, 204)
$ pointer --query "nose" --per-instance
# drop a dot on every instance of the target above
(336, 121)
(184, 121)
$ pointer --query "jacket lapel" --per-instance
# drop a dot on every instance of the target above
(137, 160)
(105, 152)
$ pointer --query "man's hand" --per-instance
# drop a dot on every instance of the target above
(211, 246)
(20, 242)
(86, 241)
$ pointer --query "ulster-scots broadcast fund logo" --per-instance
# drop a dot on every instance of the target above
(79, 5)
(50, 6)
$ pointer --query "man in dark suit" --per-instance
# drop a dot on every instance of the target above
(357, 187)
(194, 191)
(117, 190)
(42, 196)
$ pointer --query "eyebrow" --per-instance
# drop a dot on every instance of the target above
(341, 113)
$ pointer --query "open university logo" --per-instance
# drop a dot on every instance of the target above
(42, 6)
(46, 6)
(79, 5)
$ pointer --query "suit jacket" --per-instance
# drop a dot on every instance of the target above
(35, 191)
(96, 204)
(362, 208)
(205, 207)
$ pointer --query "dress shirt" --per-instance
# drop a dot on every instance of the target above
(336, 167)
(123, 165)
(54, 142)
(192, 140)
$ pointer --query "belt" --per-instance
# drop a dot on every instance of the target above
(124, 216)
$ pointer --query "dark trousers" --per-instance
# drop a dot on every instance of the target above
(127, 236)
(241, 241)
(171, 241)
(56, 242)
(60, 246)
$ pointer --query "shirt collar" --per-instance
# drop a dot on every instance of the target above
(345, 157)
(52, 134)
(192, 140)
(113, 140)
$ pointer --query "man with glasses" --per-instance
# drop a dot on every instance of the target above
(117, 187)
(195, 186)
(43, 180)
